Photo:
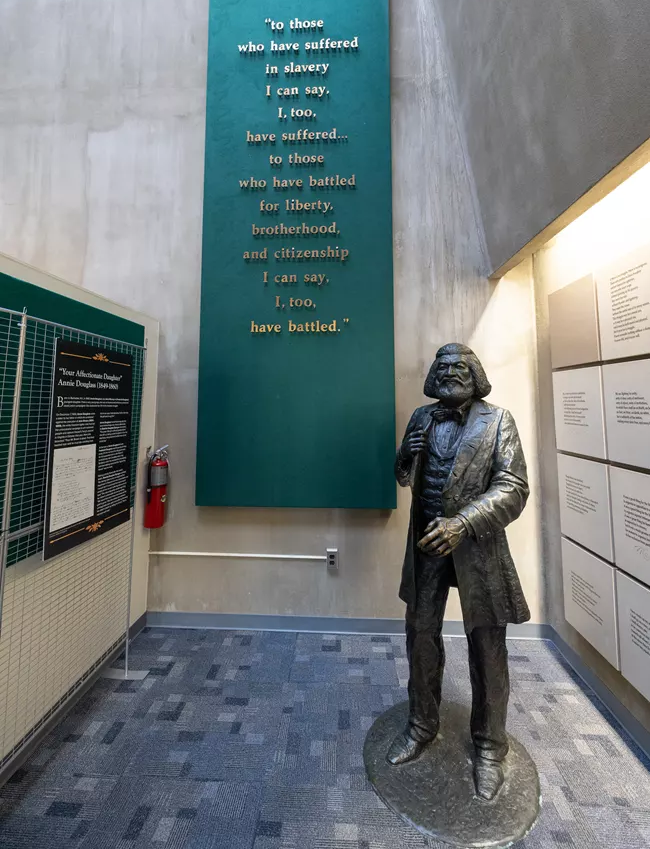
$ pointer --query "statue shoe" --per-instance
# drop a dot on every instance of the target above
(404, 749)
(488, 778)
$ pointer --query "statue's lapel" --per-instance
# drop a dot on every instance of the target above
(478, 421)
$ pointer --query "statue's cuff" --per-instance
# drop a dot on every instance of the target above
(468, 527)
(476, 520)
(404, 463)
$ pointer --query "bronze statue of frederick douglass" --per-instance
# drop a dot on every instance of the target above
(463, 460)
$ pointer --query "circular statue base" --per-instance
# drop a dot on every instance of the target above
(435, 793)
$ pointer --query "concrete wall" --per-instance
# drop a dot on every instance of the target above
(101, 171)
(618, 224)
(551, 96)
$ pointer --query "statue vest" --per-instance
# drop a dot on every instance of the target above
(435, 470)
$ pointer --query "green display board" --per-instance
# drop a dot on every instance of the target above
(296, 377)
(41, 303)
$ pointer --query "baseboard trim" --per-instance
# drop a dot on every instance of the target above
(24, 753)
(139, 625)
(314, 624)
(614, 706)
(266, 622)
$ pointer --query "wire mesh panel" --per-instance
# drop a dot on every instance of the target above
(9, 343)
(30, 475)
(62, 618)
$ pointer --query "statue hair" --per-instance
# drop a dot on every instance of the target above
(482, 386)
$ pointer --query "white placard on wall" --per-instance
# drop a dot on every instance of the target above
(589, 599)
(634, 631)
(579, 417)
(624, 305)
(573, 324)
(631, 521)
(627, 411)
(585, 514)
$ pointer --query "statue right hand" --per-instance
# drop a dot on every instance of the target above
(414, 443)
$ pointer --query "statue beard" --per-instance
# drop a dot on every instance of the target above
(454, 393)
(450, 393)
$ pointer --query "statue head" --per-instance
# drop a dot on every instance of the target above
(456, 376)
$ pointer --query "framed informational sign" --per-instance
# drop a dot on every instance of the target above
(296, 403)
(89, 462)
(624, 305)
(585, 512)
(579, 412)
(590, 598)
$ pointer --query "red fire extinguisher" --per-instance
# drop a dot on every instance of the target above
(157, 480)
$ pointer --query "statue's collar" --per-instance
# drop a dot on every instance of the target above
(443, 413)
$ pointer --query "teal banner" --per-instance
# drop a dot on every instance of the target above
(41, 303)
(296, 369)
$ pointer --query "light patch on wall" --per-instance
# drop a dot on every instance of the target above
(613, 227)
(505, 341)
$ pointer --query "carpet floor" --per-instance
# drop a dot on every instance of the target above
(252, 740)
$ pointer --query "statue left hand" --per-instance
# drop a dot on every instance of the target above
(442, 536)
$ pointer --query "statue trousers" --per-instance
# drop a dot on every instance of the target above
(488, 665)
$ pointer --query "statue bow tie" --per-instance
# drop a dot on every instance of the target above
(448, 414)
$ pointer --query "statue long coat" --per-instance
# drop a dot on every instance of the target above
(488, 487)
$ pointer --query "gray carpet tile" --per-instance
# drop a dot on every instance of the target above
(251, 740)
